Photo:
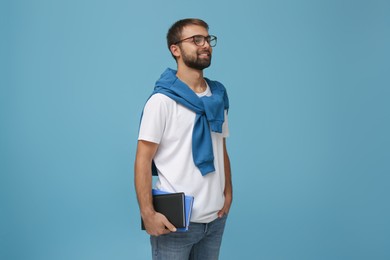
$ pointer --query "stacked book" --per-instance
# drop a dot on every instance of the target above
(176, 207)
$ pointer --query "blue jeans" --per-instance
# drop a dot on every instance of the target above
(201, 241)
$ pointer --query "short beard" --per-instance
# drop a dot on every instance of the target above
(194, 62)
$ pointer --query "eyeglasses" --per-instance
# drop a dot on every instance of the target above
(200, 40)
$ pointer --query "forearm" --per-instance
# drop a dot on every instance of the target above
(155, 223)
(143, 187)
(143, 178)
(228, 192)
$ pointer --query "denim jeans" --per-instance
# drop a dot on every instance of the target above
(201, 241)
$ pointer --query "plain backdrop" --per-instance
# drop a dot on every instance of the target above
(309, 88)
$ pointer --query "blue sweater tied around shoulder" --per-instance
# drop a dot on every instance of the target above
(209, 114)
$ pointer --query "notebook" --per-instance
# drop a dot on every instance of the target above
(189, 201)
(172, 206)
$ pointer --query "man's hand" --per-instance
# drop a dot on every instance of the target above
(226, 207)
(157, 224)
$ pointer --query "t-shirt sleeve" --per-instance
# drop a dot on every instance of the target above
(153, 119)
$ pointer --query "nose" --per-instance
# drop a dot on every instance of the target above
(206, 44)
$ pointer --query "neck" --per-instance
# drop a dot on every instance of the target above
(193, 78)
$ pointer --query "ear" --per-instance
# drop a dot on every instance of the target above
(175, 50)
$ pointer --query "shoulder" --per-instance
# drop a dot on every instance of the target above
(159, 99)
(159, 104)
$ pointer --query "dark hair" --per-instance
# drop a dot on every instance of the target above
(174, 33)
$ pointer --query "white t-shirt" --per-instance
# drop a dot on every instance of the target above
(170, 124)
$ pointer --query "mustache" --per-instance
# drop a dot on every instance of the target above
(204, 52)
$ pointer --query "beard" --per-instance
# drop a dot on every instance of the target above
(195, 61)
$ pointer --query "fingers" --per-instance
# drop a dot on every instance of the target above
(224, 211)
(159, 226)
(221, 213)
(158, 231)
(226, 207)
(169, 226)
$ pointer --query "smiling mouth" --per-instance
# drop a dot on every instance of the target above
(204, 55)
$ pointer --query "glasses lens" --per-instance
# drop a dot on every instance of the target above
(213, 40)
(199, 40)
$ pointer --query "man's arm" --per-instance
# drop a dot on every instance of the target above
(155, 223)
(228, 183)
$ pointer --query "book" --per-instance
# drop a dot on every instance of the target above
(171, 205)
(189, 201)
(176, 207)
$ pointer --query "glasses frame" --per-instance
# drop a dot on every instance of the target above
(207, 39)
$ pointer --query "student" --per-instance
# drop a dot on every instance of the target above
(182, 133)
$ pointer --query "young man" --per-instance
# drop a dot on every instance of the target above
(182, 133)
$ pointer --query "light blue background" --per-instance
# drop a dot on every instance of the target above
(310, 148)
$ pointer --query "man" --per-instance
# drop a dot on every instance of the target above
(182, 133)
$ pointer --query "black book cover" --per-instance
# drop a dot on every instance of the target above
(172, 207)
